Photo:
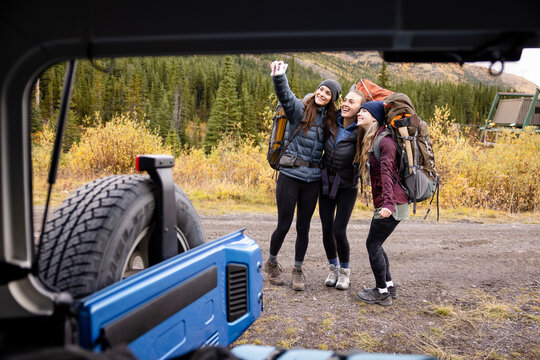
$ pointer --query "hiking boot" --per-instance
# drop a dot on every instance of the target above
(393, 291)
(274, 272)
(373, 296)
(343, 280)
(332, 277)
(298, 279)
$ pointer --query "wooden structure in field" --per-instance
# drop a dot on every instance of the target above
(515, 111)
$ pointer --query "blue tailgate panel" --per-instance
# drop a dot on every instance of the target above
(207, 296)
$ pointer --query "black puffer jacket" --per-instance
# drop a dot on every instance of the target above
(338, 158)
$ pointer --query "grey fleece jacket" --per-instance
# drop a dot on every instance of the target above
(308, 147)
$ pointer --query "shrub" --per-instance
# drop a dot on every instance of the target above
(235, 170)
(42, 146)
(112, 147)
(502, 177)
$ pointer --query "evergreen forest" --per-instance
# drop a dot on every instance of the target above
(193, 101)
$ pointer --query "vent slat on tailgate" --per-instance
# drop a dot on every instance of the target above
(237, 286)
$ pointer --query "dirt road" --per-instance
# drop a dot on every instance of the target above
(466, 290)
(469, 290)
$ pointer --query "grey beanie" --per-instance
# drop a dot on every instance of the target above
(334, 87)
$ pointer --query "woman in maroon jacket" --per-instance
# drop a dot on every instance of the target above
(389, 199)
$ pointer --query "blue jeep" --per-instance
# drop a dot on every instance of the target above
(123, 261)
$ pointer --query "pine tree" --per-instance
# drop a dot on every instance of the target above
(224, 115)
(384, 80)
(36, 122)
(162, 119)
(247, 115)
(196, 135)
(173, 141)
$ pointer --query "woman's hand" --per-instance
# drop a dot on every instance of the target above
(278, 68)
(384, 213)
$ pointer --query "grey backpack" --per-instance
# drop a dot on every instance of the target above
(419, 180)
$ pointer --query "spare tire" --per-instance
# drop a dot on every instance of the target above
(102, 232)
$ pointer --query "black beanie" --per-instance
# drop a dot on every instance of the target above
(334, 87)
(375, 108)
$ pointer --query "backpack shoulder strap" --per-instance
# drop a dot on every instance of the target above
(296, 131)
(377, 144)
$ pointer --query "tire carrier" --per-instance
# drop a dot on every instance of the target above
(164, 244)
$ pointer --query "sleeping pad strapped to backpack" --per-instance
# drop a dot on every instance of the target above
(371, 91)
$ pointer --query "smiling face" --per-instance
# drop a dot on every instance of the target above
(350, 105)
(323, 95)
(365, 119)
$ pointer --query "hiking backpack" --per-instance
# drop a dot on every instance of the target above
(415, 158)
(276, 144)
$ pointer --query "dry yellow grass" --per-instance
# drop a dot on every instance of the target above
(503, 177)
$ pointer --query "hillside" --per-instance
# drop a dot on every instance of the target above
(350, 66)
(185, 98)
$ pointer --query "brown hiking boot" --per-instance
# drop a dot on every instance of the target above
(274, 272)
(298, 279)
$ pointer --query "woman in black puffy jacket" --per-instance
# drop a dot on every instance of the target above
(299, 180)
(339, 189)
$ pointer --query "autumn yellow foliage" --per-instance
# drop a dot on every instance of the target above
(235, 170)
(111, 147)
(43, 142)
(502, 177)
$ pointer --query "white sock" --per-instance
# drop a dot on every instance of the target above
(389, 283)
(383, 291)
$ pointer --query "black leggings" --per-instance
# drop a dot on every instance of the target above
(334, 222)
(379, 231)
(291, 192)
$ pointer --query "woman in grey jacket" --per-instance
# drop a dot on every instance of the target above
(299, 180)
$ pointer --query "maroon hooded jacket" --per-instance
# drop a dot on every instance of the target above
(384, 184)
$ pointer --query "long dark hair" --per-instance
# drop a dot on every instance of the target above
(310, 113)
